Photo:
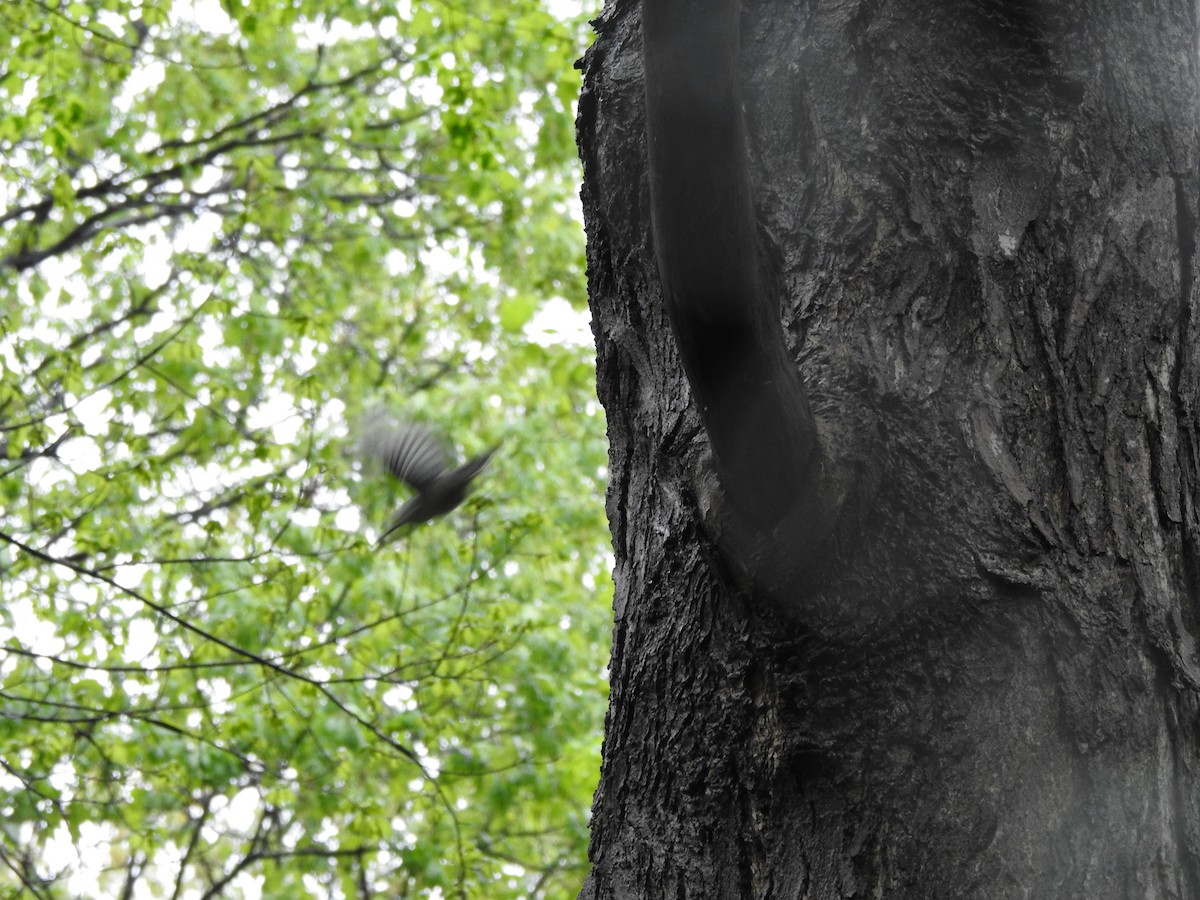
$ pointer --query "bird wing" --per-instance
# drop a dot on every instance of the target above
(409, 452)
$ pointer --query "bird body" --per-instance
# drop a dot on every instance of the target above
(414, 455)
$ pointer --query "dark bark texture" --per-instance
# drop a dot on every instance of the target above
(977, 219)
(719, 301)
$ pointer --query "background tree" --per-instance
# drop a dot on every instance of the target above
(953, 655)
(227, 232)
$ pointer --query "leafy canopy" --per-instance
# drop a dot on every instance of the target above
(227, 233)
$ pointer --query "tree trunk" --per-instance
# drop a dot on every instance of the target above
(977, 223)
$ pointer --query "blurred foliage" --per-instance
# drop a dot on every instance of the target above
(227, 232)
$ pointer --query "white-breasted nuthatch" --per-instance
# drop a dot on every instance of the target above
(414, 455)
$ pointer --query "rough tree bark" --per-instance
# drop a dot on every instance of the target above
(970, 669)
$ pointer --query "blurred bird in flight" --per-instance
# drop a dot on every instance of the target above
(415, 455)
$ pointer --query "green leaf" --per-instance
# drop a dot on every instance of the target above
(516, 311)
